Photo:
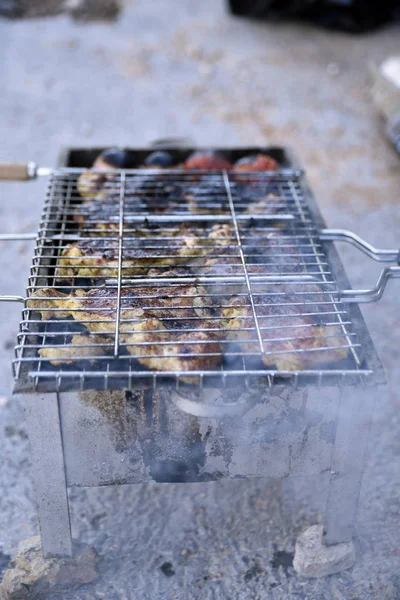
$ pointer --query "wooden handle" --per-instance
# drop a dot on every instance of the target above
(16, 171)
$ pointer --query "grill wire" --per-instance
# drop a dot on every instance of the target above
(225, 272)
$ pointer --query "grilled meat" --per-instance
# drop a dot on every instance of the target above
(270, 254)
(206, 194)
(149, 317)
(143, 248)
(293, 339)
(274, 252)
(144, 194)
(209, 196)
(86, 347)
(49, 303)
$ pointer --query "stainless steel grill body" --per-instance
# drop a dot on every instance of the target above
(112, 422)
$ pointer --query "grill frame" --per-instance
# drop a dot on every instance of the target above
(371, 374)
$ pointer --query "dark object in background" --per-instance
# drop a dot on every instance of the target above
(347, 15)
(83, 10)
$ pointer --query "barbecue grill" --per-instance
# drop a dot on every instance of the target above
(280, 391)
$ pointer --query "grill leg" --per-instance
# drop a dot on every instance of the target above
(43, 421)
(353, 424)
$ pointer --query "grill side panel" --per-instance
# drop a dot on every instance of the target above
(117, 438)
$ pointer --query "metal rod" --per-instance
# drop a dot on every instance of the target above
(200, 217)
(339, 316)
(34, 171)
(120, 244)
(211, 373)
(5, 237)
(343, 235)
(373, 294)
(222, 279)
(12, 299)
(239, 242)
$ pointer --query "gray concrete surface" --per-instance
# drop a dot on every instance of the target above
(169, 68)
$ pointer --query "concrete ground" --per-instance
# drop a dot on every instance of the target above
(172, 68)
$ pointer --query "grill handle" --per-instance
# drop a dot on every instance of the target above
(378, 254)
(10, 171)
(7, 237)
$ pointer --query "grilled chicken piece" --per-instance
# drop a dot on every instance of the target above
(49, 303)
(293, 341)
(206, 194)
(274, 252)
(89, 347)
(149, 316)
(143, 248)
(270, 254)
(144, 194)
(209, 196)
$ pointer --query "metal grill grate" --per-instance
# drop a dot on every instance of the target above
(147, 276)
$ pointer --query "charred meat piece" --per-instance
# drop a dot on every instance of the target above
(279, 254)
(264, 203)
(256, 162)
(91, 184)
(86, 347)
(143, 194)
(49, 303)
(142, 249)
(275, 252)
(166, 328)
(293, 339)
(207, 161)
(207, 195)
(271, 254)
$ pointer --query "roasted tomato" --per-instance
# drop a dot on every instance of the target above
(207, 161)
(256, 162)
